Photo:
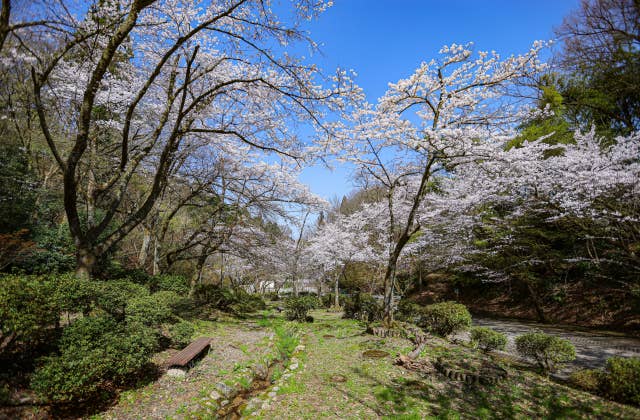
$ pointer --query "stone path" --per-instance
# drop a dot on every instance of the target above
(593, 348)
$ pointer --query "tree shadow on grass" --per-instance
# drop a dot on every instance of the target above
(108, 395)
(406, 397)
(399, 397)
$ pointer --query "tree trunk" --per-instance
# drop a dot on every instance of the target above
(86, 261)
(156, 266)
(196, 279)
(144, 249)
(294, 286)
(536, 302)
(389, 280)
(336, 291)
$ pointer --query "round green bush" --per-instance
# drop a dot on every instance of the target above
(622, 382)
(171, 283)
(226, 299)
(112, 296)
(28, 309)
(245, 302)
(363, 307)
(296, 308)
(181, 333)
(151, 310)
(409, 311)
(488, 339)
(445, 318)
(546, 350)
(74, 294)
(587, 379)
(94, 352)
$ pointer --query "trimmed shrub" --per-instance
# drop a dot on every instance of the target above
(112, 296)
(94, 352)
(244, 302)
(115, 270)
(546, 350)
(409, 312)
(328, 300)
(445, 318)
(226, 299)
(28, 310)
(296, 308)
(272, 296)
(73, 294)
(622, 382)
(181, 333)
(171, 283)
(590, 380)
(488, 339)
(363, 307)
(151, 310)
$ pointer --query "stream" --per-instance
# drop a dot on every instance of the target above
(593, 347)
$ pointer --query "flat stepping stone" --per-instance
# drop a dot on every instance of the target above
(338, 378)
(375, 354)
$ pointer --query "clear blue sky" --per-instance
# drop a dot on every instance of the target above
(385, 40)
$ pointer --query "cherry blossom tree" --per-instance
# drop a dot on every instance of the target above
(338, 243)
(142, 84)
(427, 124)
(588, 184)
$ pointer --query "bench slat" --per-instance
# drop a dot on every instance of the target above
(184, 356)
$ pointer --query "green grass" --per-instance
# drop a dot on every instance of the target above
(365, 388)
(377, 388)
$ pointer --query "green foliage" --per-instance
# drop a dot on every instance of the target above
(115, 270)
(445, 318)
(94, 352)
(73, 294)
(27, 310)
(488, 339)
(228, 300)
(362, 306)
(272, 296)
(590, 380)
(554, 127)
(409, 312)
(622, 382)
(172, 283)
(245, 302)
(112, 296)
(546, 350)
(286, 341)
(297, 308)
(54, 253)
(17, 188)
(181, 333)
(150, 310)
(328, 300)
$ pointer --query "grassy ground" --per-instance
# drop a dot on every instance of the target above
(377, 388)
(335, 380)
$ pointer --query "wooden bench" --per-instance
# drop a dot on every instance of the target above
(186, 356)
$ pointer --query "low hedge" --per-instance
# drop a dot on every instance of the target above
(488, 339)
(363, 307)
(95, 352)
(297, 308)
(546, 350)
(445, 318)
(622, 380)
